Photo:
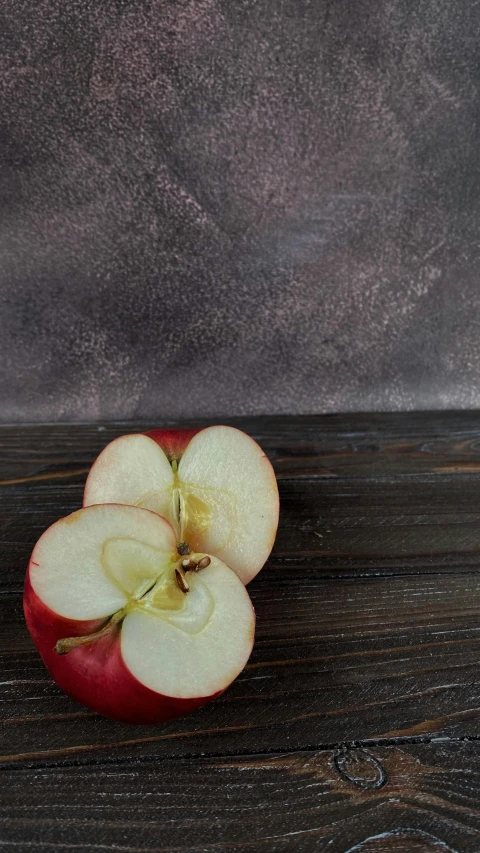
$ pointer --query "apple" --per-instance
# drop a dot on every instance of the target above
(128, 626)
(215, 486)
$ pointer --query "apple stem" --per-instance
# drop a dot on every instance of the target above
(62, 647)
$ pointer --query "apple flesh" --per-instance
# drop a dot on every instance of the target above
(215, 486)
(126, 625)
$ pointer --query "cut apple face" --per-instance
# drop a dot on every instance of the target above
(216, 487)
(126, 624)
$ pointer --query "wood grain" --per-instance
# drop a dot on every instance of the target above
(355, 725)
(428, 803)
(377, 658)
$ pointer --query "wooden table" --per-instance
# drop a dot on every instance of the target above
(355, 725)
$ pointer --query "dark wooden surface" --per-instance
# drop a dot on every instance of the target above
(354, 727)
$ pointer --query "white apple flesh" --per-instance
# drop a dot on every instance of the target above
(125, 624)
(216, 487)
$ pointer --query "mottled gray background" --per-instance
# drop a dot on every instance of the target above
(213, 207)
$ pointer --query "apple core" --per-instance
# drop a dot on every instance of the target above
(151, 586)
(215, 486)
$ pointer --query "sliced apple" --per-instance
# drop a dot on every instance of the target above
(216, 486)
(125, 624)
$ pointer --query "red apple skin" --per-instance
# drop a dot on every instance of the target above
(173, 442)
(96, 675)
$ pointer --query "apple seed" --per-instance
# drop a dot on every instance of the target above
(181, 579)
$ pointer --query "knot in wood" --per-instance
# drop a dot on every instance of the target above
(360, 768)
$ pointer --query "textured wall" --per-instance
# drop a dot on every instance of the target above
(245, 206)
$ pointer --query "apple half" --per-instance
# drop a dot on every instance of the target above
(216, 487)
(128, 626)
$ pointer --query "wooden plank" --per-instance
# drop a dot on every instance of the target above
(402, 495)
(324, 531)
(334, 661)
(420, 798)
(368, 635)
(309, 446)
